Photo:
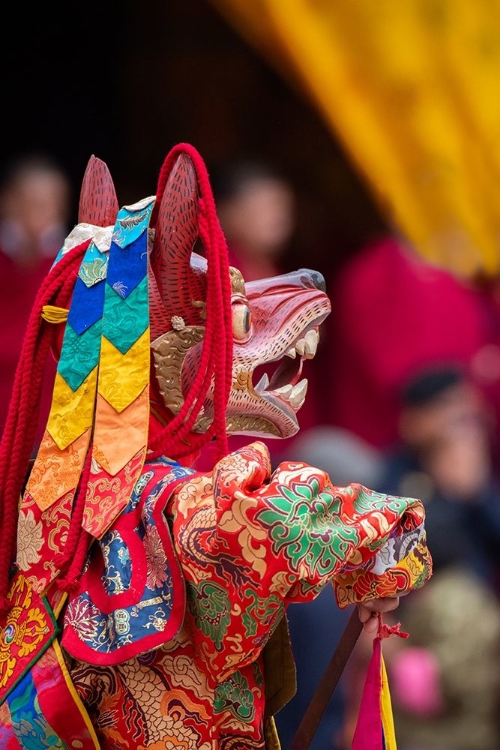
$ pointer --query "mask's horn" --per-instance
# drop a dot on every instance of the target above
(98, 202)
(179, 285)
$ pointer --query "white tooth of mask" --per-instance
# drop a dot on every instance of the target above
(312, 338)
(292, 352)
(285, 390)
(300, 346)
(298, 393)
(311, 344)
(263, 383)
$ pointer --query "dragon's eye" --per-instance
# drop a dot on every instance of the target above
(242, 321)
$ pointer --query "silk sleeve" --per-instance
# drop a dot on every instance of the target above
(250, 542)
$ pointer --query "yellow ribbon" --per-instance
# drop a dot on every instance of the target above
(53, 314)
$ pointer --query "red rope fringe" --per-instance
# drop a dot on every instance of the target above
(22, 418)
(171, 440)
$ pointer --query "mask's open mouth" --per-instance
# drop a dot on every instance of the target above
(284, 383)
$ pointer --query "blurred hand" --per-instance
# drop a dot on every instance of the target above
(369, 611)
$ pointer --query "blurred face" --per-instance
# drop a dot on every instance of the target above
(34, 212)
(452, 438)
(457, 412)
(37, 202)
(260, 219)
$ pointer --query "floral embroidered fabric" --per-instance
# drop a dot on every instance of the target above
(249, 543)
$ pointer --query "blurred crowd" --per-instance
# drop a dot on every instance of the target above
(404, 397)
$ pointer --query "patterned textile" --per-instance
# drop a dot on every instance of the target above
(28, 631)
(249, 543)
(44, 712)
(131, 596)
(244, 543)
(106, 340)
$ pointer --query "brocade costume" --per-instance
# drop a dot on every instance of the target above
(172, 634)
(247, 543)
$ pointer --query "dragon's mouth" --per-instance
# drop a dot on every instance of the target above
(285, 384)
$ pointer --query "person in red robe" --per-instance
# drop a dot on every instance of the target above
(34, 213)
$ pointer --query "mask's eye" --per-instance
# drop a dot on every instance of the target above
(242, 321)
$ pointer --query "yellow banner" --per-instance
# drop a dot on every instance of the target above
(412, 91)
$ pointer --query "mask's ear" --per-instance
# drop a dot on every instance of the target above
(98, 206)
(98, 202)
(174, 284)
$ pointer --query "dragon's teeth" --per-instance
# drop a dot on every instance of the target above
(263, 383)
(301, 346)
(298, 393)
(292, 352)
(285, 390)
(312, 338)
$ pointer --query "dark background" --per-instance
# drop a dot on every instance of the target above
(127, 81)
